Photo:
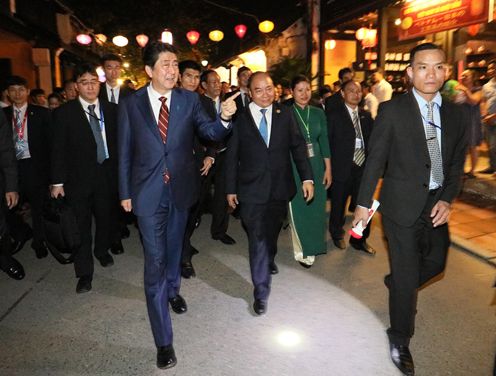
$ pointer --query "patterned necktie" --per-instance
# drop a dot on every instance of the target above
(263, 128)
(112, 96)
(359, 156)
(18, 119)
(97, 134)
(433, 146)
(163, 126)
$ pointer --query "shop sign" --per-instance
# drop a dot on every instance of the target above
(421, 17)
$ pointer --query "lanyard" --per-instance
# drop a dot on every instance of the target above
(305, 124)
(101, 120)
(20, 130)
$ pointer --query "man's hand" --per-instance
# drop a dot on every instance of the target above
(232, 200)
(207, 164)
(228, 107)
(126, 205)
(56, 191)
(12, 198)
(307, 188)
(440, 213)
(360, 214)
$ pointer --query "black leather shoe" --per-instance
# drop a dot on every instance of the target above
(402, 358)
(41, 251)
(194, 251)
(363, 246)
(83, 285)
(339, 243)
(226, 239)
(178, 304)
(106, 260)
(166, 358)
(125, 232)
(273, 268)
(260, 307)
(488, 170)
(13, 269)
(187, 270)
(117, 248)
(306, 266)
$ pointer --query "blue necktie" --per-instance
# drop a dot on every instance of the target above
(264, 131)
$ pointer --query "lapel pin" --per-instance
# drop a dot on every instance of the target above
(278, 111)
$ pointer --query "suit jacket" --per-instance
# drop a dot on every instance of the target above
(333, 101)
(103, 95)
(240, 106)
(39, 125)
(74, 154)
(398, 151)
(211, 147)
(342, 139)
(257, 173)
(8, 162)
(143, 157)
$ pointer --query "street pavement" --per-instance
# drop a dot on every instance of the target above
(325, 321)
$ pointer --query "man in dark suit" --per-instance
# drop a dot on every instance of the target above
(31, 126)
(418, 146)
(211, 99)
(244, 99)
(349, 130)
(8, 186)
(111, 91)
(260, 179)
(159, 181)
(331, 102)
(84, 169)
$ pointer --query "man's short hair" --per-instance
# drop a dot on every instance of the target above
(344, 71)
(326, 89)
(242, 69)
(423, 47)
(255, 75)
(153, 50)
(345, 84)
(82, 69)
(204, 75)
(110, 57)
(16, 81)
(366, 84)
(189, 64)
(35, 92)
(379, 70)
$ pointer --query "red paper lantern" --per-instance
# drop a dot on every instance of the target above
(83, 39)
(240, 30)
(142, 40)
(193, 37)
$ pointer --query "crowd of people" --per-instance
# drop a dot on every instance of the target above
(187, 144)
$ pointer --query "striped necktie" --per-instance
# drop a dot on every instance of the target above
(163, 125)
(359, 155)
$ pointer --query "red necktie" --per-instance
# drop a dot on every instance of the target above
(163, 124)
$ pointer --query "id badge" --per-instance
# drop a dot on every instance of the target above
(358, 143)
(310, 150)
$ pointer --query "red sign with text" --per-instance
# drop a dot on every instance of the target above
(421, 17)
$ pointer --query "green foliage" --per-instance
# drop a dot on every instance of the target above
(287, 68)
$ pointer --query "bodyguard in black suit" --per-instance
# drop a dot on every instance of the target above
(418, 146)
(84, 169)
(111, 91)
(244, 99)
(31, 127)
(8, 187)
(335, 100)
(349, 130)
(260, 179)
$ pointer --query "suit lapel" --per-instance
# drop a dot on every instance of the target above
(254, 126)
(175, 109)
(276, 113)
(146, 110)
(445, 120)
(416, 126)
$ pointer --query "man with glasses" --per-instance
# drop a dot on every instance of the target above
(84, 169)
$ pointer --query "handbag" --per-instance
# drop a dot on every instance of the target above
(61, 229)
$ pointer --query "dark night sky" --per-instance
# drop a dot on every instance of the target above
(132, 17)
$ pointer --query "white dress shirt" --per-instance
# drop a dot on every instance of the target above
(116, 89)
(382, 90)
(371, 104)
(101, 121)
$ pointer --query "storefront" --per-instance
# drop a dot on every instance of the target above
(384, 36)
